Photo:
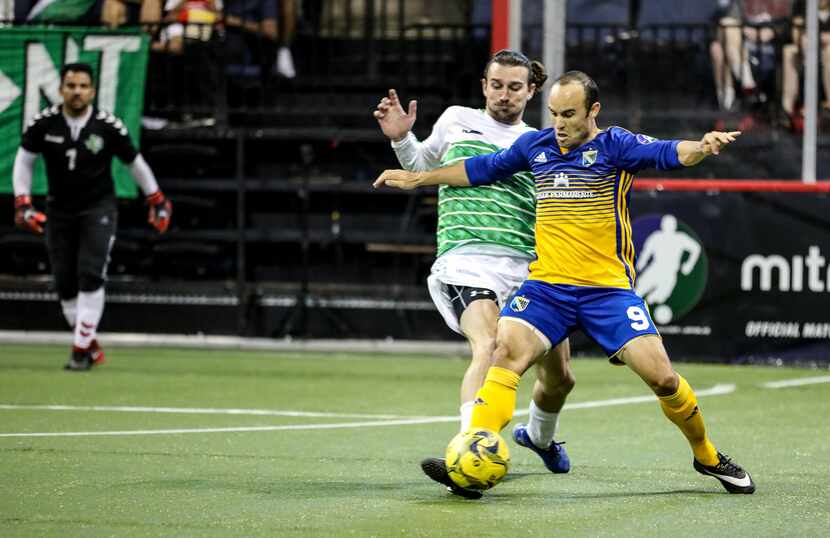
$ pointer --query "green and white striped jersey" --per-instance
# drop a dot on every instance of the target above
(502, 214)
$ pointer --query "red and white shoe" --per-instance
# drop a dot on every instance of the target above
(96, 353)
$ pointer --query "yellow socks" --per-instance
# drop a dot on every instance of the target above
(495, 400)
(681, 408)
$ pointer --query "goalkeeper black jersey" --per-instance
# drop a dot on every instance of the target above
(79, 171)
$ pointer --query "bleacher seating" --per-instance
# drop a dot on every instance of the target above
(273, 203)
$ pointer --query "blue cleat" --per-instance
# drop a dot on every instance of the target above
(554, 457)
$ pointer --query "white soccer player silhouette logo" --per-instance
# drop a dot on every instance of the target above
(659, 262)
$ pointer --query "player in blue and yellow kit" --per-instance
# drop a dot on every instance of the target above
(584, 274)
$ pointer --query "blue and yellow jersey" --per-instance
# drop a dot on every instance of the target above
(583, 227)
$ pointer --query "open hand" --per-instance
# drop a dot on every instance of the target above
(393, 121)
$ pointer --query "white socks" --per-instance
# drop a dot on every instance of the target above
(541, 428)
(466, 415)
(90, 306)
(70, 310)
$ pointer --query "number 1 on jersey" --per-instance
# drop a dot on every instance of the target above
(72, 154)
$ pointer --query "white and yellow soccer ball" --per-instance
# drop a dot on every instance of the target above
(477, 459)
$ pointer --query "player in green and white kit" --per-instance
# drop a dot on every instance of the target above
(485, 239)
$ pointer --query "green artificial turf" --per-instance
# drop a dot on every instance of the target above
(631, 475)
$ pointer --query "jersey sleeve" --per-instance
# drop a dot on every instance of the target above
(418, 156)
(32, 138)
(123, 147)
(436, 144)
(638, 151)
(498, 166)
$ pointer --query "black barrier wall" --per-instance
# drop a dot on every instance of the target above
(739, 276)
(729, 277)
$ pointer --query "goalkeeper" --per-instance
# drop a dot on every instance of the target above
(78, 142)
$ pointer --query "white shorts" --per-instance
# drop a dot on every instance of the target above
(500, 274)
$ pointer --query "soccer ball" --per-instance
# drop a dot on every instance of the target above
(477, 459)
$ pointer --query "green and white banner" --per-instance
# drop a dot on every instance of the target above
(59, 10)
(30, 62)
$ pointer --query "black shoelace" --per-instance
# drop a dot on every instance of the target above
(727, 467)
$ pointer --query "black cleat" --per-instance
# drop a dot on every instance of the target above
(730, 474)
(436, 469)
(79, 361)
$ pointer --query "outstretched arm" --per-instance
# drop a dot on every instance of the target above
(689, 152)
(455, 175)
(476, 171)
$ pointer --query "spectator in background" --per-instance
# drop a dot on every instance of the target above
(288, 28)
(115, 13)
(6, 11)
(793, 59)
(191, 19)
(254, 36)
(744, 50)
(185, 61)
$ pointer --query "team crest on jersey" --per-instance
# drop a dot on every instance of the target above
(94, 143)
(519, 303)
(589, 157)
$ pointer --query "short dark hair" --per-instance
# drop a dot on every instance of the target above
(535, 70)
(76, 68)
(587, 83)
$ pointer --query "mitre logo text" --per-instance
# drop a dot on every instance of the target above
(774, 272)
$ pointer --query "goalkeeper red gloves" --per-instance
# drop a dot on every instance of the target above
(160, 211)
(26, 216)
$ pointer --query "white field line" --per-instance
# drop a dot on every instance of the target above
(199, 411)
(717, 390)
(429, 420)
(797, 382)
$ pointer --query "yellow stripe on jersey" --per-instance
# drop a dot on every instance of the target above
(626, 240)
(580, 218)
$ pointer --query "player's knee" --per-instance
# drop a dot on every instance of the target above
(501, 353)
(66, 287)
(567, 382)
(67, 292)
(90, 282)
(560, 383)
(509, 356)
(483, 349)
(664, 384)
